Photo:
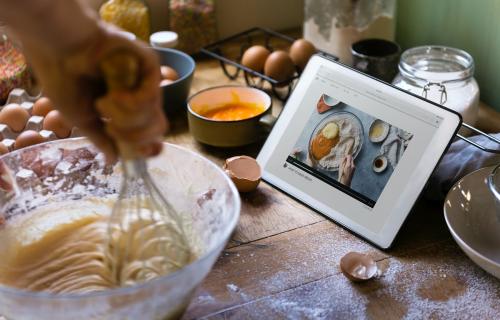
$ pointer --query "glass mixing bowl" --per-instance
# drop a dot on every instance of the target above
(71, 170)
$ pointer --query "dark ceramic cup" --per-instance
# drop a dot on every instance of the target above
(376, 57)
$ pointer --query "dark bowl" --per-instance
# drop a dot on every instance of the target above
(176, 93)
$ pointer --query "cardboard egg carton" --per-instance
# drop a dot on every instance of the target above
(35, 123)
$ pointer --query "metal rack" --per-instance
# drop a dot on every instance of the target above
(489, 137)
(266, 37)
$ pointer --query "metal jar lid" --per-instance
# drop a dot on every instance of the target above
(436, 66)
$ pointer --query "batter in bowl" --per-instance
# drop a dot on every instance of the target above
(62, 248)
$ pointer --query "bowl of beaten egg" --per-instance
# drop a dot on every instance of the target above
(230, 116)
(53, 231)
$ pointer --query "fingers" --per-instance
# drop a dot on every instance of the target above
(135, 117)
(93, 128)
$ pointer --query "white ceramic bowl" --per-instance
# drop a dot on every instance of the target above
(471, 215)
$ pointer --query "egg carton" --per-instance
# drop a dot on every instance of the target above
(35, 123)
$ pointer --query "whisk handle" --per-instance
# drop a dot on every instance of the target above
(121, 72)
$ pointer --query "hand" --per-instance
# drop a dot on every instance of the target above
(346, 170)
(74, 82)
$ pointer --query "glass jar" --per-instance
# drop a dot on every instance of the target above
(130, 15)
(443, 75)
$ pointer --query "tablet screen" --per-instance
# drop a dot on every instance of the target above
(356, 149)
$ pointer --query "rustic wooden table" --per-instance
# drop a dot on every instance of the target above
(283, 259)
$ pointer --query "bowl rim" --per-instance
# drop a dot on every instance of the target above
(491, 183)
(180, 53)
(466, 247)
(137, 287)
(197, 115)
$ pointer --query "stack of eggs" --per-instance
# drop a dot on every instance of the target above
(24, 123)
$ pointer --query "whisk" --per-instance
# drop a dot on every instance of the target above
(146, 238)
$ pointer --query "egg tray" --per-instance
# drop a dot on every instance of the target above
(35, 123)
(223, 51)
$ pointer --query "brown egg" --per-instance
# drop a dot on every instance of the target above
(28, 138)
(165, 82)
(279, 66)
(301, 51)
(244, 171)
(42, 106)
(255, 58)
(14, 116)
(3, 148)
(169, 73)
(358, 266)
(55, 122)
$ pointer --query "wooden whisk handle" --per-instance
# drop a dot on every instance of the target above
(121, 72)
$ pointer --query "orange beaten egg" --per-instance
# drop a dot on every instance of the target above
(233, 111)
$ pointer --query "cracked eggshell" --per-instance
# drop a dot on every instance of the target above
(358, 266)
(245, 172)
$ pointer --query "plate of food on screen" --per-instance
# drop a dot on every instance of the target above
(336, 136)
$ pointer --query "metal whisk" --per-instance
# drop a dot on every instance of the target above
(146, 237)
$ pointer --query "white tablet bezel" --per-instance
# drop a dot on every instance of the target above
(403, 204)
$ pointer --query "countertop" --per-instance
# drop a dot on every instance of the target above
(283, 258)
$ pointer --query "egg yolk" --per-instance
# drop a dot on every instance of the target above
(234, 111)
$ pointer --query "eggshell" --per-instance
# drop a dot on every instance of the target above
(3, 148)
(279, 66)
(244, 171)
(28, 138)
(301, 51)
(55, 122)
(255, 58)
(169, 73)
(14, 116)
(42, 106)
(358, 266)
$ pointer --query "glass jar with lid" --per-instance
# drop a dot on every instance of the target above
(441, 74)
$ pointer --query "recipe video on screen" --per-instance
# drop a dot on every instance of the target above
(349, 149)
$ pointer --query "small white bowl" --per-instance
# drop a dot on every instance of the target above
(379, 163)
(471, 216)
(384, 134)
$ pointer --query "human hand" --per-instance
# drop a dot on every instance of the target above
(73, 80)
(346, 170)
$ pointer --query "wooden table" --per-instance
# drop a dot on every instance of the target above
(283, 259)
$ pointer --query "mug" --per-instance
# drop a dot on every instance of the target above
(230, 133)
(376, 57)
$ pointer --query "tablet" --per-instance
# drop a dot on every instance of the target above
(356, 149)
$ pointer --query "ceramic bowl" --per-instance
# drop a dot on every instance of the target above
(471, 216)
(379, 163)
(176, 93)
(383, 135)
(229, 133)
(494, 185)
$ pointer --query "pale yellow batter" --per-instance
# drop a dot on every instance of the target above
(62, 248)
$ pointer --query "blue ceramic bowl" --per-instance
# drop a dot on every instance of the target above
(175, 94)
